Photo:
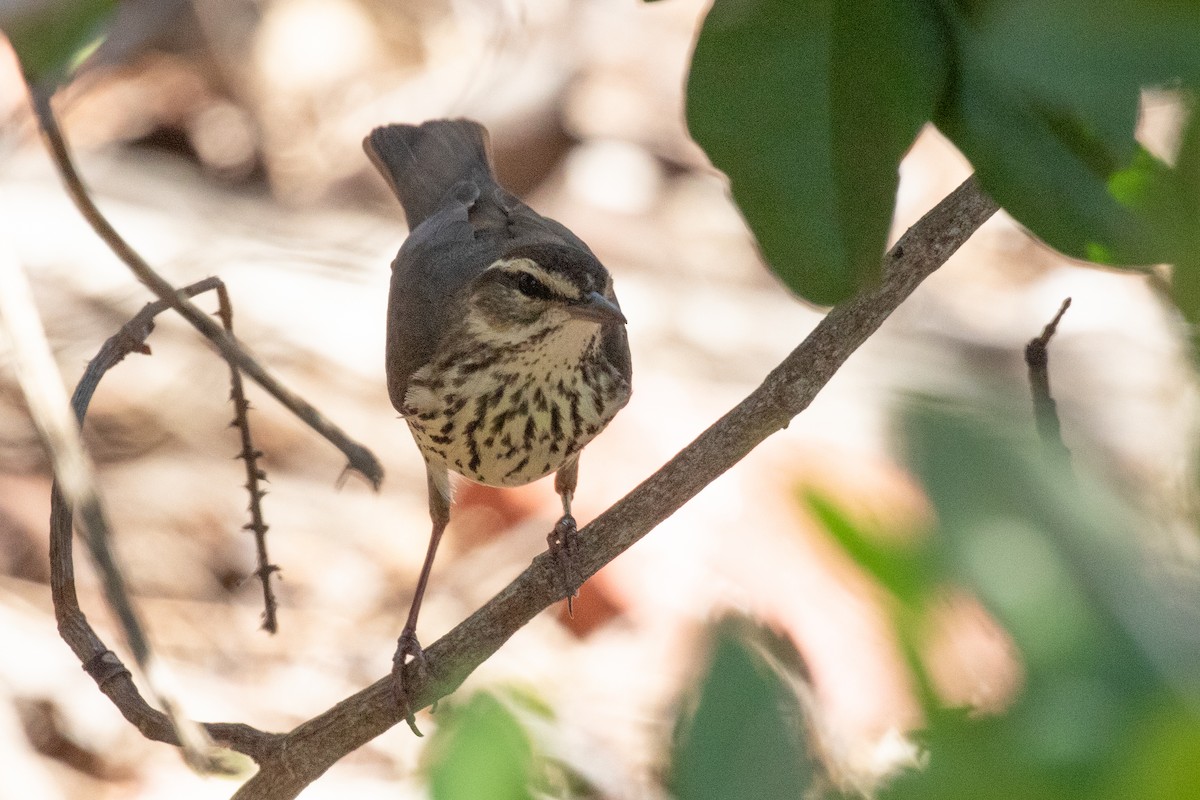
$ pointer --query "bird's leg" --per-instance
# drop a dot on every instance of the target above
(565, 536)
(407, 645)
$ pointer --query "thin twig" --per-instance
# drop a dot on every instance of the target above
(360, 458)
(105, 667)
(316, 745)
(249, 454)
(75, 487)
(1045, 410)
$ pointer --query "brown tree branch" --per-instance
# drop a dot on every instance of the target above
(110, 674)
(361, 459)
(23, 340)
(289, 762)
(255, 474)
(306, 752)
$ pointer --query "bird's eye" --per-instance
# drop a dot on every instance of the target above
(531, 286)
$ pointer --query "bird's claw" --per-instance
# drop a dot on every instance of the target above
(563, 541)
(406, 646)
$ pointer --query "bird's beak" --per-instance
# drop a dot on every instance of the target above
(595, 307)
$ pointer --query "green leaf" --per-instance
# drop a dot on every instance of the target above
(909, 570)
(50, 38)
(1163, 758)
(744, 739)
(1110, 651)
(1172, 200)
(1045, 104)
(1083, 53)
(808, 108)
(481, 751)
(1044, 166)
(1022, 532)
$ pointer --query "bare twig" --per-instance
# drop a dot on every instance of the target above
(113, 678)
(360, 458)
(75, 486)
(249, 454)
(1045, 409)
(317, 744)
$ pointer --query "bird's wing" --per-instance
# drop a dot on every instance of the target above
(429, 279)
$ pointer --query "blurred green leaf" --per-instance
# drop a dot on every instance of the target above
(1086, 53)
(744, 740)
(1163, 759)
(50, 38)
(908, 570)
(1045, 164)
(1111, 697)
(1031, 536)
(808, 108)
(480, 751)
(1172, 199)
(1045, 105)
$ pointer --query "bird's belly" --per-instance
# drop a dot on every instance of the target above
(509, 430)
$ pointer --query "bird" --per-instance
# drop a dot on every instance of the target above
(506, 351)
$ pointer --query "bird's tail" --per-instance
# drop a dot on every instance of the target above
(422, 163)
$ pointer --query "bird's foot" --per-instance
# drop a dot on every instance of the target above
(406, 646)
(563, 541)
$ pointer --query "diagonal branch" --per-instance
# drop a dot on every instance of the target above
(361, 459)
(316, 745)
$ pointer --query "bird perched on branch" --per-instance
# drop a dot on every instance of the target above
(506, 347)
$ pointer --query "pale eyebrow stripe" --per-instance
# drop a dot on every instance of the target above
(555, 283)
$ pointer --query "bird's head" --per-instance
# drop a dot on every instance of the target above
(536, 291)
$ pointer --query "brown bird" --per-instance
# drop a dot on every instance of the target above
(506, 347)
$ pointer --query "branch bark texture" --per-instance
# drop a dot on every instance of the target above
(304, 754)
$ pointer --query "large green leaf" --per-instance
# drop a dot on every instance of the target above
(1045, 102)
(1084, 53)
(744, 740)
(1046, 166)
(808, 108)
(48, 38)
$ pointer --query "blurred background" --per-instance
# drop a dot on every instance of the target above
(222, 137)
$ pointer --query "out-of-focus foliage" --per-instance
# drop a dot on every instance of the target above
(744, 737)
(480, 750)
(50, 38)
(1110, 705)
(808, 107)
(740, 736)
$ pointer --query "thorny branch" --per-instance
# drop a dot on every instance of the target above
(23, 341)
(113, 678)
(249, 455)
(290, 762)
(361, 459)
